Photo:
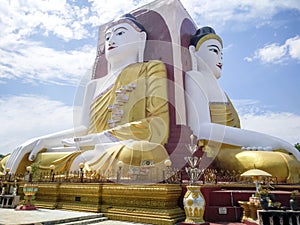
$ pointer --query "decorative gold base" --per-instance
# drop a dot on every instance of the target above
(72, 196)
(155, 204)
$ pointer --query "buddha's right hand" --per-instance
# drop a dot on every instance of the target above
(32, 146)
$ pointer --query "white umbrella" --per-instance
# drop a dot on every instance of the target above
(255, 173)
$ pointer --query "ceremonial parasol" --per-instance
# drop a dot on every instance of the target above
(255, 173)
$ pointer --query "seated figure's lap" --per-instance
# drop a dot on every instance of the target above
(283, 166)
(135, 154)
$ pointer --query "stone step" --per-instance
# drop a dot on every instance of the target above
(90, 219)
(119, 222)
(87, 221)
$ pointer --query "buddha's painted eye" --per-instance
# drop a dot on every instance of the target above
(120, 33)
(107, 36)
(214, 50)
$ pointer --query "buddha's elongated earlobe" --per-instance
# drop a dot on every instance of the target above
(142, 46)
(192, 51)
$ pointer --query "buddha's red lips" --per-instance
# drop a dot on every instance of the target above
(111, 47)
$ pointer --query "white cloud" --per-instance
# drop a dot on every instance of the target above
(25, 18)
(272, 53)
(107, 10)
(294, 47)
(31, 33)
(32, 61)
(248, 59)
(28, 116)
(253, 116)
(276, 53)
(283, 125)
(217, 13)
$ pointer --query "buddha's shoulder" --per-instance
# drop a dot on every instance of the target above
(150, 63)
(149, 67)
(155, 64)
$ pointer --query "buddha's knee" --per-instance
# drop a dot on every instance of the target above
(143, 153)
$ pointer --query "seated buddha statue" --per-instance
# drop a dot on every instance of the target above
(124, 118)
(215, 122)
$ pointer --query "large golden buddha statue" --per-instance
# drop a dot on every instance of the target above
(124, 118)
(214, 120)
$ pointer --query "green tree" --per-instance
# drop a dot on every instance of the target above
(297, 146)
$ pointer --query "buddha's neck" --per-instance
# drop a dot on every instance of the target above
(121, 64)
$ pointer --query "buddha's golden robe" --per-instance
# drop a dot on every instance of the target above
(282, 165)
(134, 107)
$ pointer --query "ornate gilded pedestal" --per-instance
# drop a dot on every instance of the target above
(249, 210)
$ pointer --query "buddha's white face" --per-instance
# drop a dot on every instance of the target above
(121, 40)
(210, 52)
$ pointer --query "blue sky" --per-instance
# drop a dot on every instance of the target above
(47, 46)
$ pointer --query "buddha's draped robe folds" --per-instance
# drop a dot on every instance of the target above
(136, 106)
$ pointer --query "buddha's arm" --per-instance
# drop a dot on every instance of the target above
(86, 103)
(196, 101)
(244, 138)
